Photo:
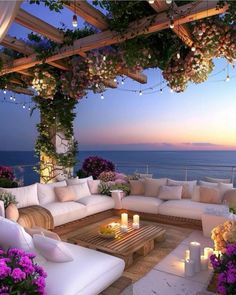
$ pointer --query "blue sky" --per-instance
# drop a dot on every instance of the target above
(203, 117)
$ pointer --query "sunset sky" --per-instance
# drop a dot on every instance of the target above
(203, 117)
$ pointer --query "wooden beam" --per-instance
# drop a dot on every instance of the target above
(89, 13)
(20, 90)
(26, 73)
(157, 23)
(182, 31)
(37, 25)
(137, 76)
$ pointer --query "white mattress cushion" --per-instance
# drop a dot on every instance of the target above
(80, 190)
(77, 180)
(97, 203)
(46, 192)
(141, 204)
(88, 274)
(25, 195)
(13, 235)
(186, 208)
(64, 212)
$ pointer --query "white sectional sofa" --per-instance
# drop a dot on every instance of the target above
(88, 273)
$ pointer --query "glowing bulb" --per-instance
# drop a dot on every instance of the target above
(29, 109)
(23, 106)
(4, 91)
(102, 96)
(161, 90)
(193, 48)
(151, 1)
(14, 99)
(227, 78)
(171, 90)
(200, 32)
(168, 2)
(74, 21)
(140, 92)
(149, 56)
(115, 80)
(178, 55)
(104, 58)
(11, 98)
(122, 81)
(172, 25)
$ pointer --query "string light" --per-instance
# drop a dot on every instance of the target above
(168, 2)
(102, 96)
(123, 81)
(23, 106)
(4, 91)
(161, 90)
(172, 25)
(115, 80)
(151, 1)
(104, 57)
(11, 98)
(140, 92)
(74, 21)
(193, 48)
(171, 90)
(178, 55)
(227, 78)
(14, 99)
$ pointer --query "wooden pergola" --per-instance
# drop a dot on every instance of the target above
(182, 15)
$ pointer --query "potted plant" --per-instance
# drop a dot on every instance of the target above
(20, 274)
(9, 200)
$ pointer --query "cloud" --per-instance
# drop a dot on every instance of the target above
(201, 144)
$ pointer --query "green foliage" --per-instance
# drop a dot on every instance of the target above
(7, 198)
(8, 183)
(56, 5)
(105, 188)
(56, 112)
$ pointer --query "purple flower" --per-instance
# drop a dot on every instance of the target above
(4, 271)
(26, 263)
(214, 261)
(231, 249)
(40, 271)
(18, 275)
(222, 290)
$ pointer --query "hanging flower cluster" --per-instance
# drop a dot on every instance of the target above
(44, 83)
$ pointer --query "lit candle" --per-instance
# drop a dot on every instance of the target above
(195, 253)
(189, 268)
(187, 254)
(208, 252)
(136, 221)
(204, 262)
(124, 222)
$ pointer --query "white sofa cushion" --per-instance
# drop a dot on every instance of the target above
(188, 187)
(88, 274)
(52, 250)
(13, 235)
(77, 180)
(186, 208)
(141, 204)
(46, 192)
(152, 186)
(25, 195)
(81, 190)
(66, 212)
(170, 192)
(97, 203)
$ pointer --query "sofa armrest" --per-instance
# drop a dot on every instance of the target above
(2, 209)
(117, 196)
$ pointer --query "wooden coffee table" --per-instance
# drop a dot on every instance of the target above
(124, 245)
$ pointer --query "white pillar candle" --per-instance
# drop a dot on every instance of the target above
(208, 252)
(189, 268)
(136, 221)
(187, 254)
(124, 219)
(204, 262)
(195, 253)
(124, 228)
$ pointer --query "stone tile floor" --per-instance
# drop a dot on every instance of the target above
(167, 277)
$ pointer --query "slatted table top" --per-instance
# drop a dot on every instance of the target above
(123, 244)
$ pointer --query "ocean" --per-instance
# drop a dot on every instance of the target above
(172, 164)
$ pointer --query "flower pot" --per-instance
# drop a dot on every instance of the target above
(11, 212)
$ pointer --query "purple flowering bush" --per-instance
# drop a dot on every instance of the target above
(225, 268)
(95, 166)
(19, 274)
(6, 172)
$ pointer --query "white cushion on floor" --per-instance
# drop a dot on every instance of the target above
(88, 274)
(64, 212)
(186, 208)
(97, 203)
(141, 204)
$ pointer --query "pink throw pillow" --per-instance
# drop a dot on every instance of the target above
(93, 186)
(65, 193)
(209, 195)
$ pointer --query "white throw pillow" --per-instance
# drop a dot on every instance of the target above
(46, 193)
(188, 187)
(25, 195)
(81, 190)
(222, 187)
(77, 180)
(218, 180)
(52, 250)
(208, 184)
(170, 192)
(13, 235)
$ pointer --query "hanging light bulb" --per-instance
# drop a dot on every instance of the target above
(178, 55)
(227, 78)
(168, 2)
(115, 80)
(193, 48)
(102, 96)
(23, 106)
(4, 91)
(123, 81)
(200, 32)
(11, 98)
(171, 90)
(140, 92)
(151, 1)
(104, 57)
(161, 90)
(29, 109)
(14, 99)
(172, 25)
(149, 56)
(74, 21)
